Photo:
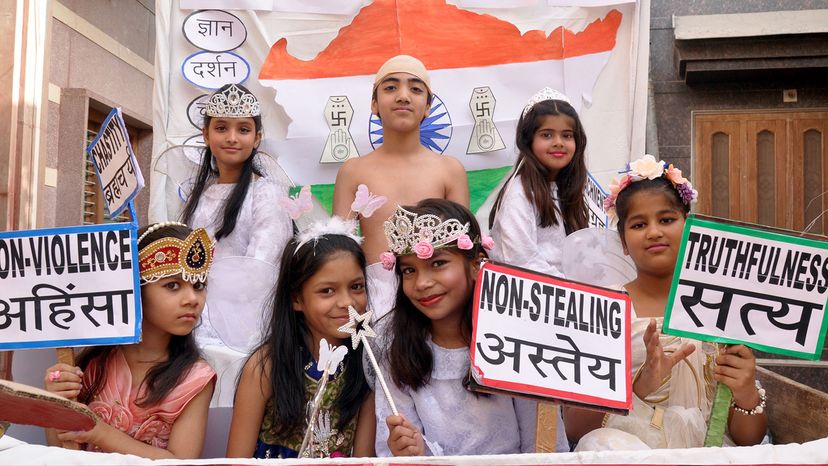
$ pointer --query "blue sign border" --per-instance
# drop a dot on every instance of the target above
(184, 75)
(136, 280)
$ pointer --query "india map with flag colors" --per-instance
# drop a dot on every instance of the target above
(463, 50)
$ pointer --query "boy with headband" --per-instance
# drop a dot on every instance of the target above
(401, 169)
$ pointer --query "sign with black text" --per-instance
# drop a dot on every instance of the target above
(543, 336)
(115, 163)
(594, 195)
(761, 287)
(74, 286)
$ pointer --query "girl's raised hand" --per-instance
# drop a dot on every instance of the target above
(658, 364)
(64, 380)
(736, 368)
(403, 438)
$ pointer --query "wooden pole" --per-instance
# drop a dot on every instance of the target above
(67, 356)
(546, 430)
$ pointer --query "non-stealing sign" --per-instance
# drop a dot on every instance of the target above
(74, 286)
(543, 336)
(737, 284)
(115, 163)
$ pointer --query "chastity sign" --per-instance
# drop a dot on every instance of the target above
(547, 337)
(115, 163)
(74, 286)
(761, 287)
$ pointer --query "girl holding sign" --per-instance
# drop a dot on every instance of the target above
(152, 398)
(235, 196)
(322, 274)
(543, 201)
(674, 378)
(436, 250)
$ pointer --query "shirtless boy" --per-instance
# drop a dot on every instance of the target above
(401, 169)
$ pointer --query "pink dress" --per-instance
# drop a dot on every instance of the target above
(115, 403)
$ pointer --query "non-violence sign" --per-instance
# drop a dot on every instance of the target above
(73, 286)
(115, 163)
(735, 284)
(543, 336)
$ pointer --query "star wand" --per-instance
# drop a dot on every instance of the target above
(359, 330)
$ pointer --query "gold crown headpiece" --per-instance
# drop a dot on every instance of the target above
(405, 230)
(233, 102)
(170, 256)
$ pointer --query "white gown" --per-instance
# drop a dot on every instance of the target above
(453, 420)
(245, 270)
(519, 240)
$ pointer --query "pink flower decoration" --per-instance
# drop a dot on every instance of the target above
(464, 242)
(674, 174)
(115, 415)
(388, 259)
(423, 250)
(153, 431)
(338, 454)
(487, 242)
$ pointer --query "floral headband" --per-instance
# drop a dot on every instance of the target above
(409, 233)
(647, 168)
(364, 205)
(168, 256)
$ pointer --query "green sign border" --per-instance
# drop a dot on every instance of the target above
(712, 224)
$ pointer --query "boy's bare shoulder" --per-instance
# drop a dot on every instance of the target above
(451, 164)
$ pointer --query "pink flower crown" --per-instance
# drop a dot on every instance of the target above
(648, 168)
(409, 233)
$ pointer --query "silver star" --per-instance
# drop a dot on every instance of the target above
(357, 326)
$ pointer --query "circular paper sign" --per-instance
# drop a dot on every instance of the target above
(211, 70)
(196, 111)
(214, 30)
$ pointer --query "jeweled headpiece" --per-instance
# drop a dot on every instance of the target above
(170, 256)
(648, 168)
(233, 102)
(547, 93)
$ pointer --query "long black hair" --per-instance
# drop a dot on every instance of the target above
(182, 352)
(571, 180)
(206, 172)
(285, 347)
(410, 357)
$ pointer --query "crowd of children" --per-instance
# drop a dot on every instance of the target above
(415, 267)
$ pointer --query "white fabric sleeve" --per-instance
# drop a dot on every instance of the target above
(405, 406)
(272, 227)
(517, 243)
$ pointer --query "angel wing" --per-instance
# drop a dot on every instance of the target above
(595, 256)
(180, 165)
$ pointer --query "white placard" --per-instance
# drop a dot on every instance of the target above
(210, 70)
(595, 195)
(115, 163)
(735, 284)
(214, 30)
(539, 335)
(74, 286)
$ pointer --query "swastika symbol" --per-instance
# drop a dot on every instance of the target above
(482, 109)
(338, 118)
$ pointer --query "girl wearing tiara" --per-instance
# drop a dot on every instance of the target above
(151, 398)
(674, 378)
(322, 274)
(543, 200)
(233, 197)
(436, 250)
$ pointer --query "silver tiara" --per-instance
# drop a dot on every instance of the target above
(547, 93)
(233, 102)
(405, 229)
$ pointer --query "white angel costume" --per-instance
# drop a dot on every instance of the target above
(518, 237)
(452, 419)
(382, 289)
(675, 415)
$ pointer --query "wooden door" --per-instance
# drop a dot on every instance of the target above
(769, 168)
